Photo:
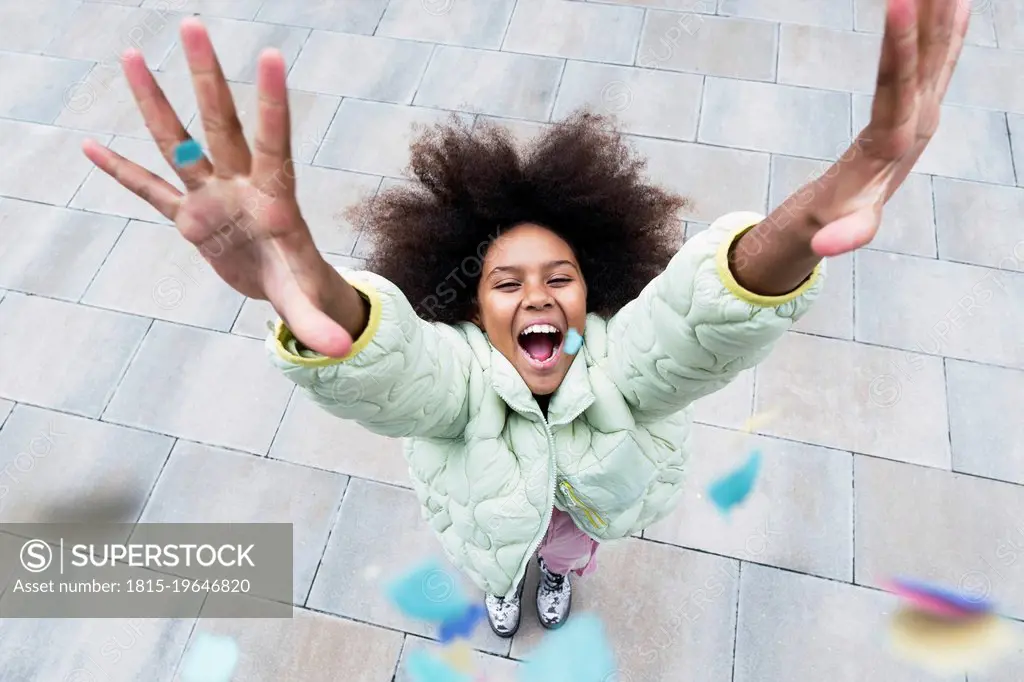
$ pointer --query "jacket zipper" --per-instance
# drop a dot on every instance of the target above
(552, 485)
(550, 506)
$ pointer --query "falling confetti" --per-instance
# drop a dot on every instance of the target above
(212, 658)
(573, 342)
(187, 153)
(463, 625)
(429, 593)
(936, 600)
(577, 651)
(733, 488)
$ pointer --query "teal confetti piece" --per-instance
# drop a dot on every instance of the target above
(576, 652)
(429, 593)
(187, 153)
(425, 668)
(212, 658)
(573, 342)
(733, 488)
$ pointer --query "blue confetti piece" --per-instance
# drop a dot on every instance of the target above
(429, 593)
(573, 342)
(576, 652)
(425, 668)
(733, 488)
(462, 626)
(212, 658)
(187, 153)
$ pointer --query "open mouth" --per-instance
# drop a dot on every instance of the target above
(541, 344)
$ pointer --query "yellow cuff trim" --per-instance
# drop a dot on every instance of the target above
(310, 358)
(734, 287)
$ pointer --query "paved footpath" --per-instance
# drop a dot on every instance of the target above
(143, 382)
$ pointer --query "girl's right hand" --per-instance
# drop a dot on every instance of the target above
(240, 208)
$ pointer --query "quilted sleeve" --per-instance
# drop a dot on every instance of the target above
(403, 377)
(693, 329)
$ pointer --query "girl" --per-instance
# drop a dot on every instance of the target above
(456, 338)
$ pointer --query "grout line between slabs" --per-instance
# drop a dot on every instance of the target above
(124, 372)
(191, 634)
(1009, 137)
(508, 26)
(398, 660)
(736, 623)
(423, 76)
(949, 417)
(7, 417)
(558, 91)
(853, 519)
(106, 256)
(156, 481)
(778, 51)
(280, 422)
(644, 20)
(935, 215)
(700, 107)
(327, 541)
(380, 19)
(298, 54)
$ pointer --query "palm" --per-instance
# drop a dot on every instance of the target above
(234, 225)
(922, 42)
(239, 208)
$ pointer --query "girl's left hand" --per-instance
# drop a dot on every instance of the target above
(843, 208)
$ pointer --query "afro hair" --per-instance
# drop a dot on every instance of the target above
(578, 179)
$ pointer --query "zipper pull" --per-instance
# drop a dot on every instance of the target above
(564, 487)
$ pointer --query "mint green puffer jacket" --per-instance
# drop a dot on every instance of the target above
(488, 467)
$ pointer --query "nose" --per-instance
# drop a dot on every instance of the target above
(537, 297)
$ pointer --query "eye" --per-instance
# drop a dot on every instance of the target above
(506, 285)
(560, 280)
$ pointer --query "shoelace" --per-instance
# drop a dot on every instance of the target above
(553, 581)
(501, 603)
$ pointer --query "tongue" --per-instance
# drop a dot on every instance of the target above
(539, 346)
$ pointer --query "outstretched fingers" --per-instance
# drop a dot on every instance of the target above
(163, 124)
(273, 169)
(936, 19)
(145, 184)
(217, 111)
(896, 90)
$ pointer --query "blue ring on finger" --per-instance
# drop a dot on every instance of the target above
(187, 153)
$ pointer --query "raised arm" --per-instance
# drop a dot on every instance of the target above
(357, 347)
(694, 328)
(732, 291)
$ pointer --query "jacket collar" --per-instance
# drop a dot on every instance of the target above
(572, 396)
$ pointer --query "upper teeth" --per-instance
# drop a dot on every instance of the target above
(540, 329)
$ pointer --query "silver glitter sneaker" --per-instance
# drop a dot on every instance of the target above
(554, 598)
(503, 614)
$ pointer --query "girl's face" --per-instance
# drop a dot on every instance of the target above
(531, 293)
